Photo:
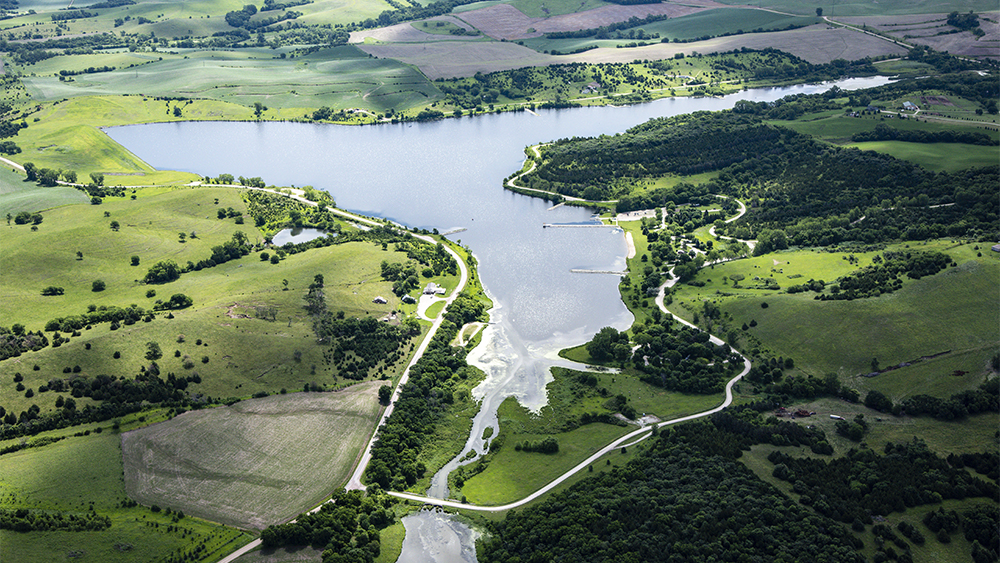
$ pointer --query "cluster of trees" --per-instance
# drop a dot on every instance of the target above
(883, 276)
(15, 341)
(403, 276)
(689, 144)
(883, 132)
(985, 398)
(357, 345)
(95, 315)
(242, 18)
(346, 528)
(863, 484)
(547, 446)
(33, 520)
(422, 401)
(682, 359)
(686, 499)
(25, 217)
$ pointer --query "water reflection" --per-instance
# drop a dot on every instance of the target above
(297, 235)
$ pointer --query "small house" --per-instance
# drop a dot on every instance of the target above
(910, 106)
(996, 247)
(433, 289)
(380, 300)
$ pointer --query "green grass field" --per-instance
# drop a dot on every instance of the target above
(934, 314)
(339, 77)
(256, 463)
(544, 9)
(834, 127)
(17, 195)
(78, 473)
(246, 354)
(947, 157)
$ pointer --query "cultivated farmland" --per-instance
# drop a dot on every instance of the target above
(815, 44)
(256, 463)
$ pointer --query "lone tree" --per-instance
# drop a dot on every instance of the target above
(98, 285)
(384, 394)
(819, 12)
(153, 351)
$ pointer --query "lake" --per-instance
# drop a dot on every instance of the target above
(448, 174)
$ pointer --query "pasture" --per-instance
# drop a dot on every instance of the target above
(81, 473)
(18, 195)
(256, 463)
(927, 316)
(246, 355)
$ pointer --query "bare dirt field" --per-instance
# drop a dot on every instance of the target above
(923, 29)
(504, 21)
(816, 44)
(256, 463)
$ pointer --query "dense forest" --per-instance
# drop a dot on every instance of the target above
(688, 498)
(346, 528)
(864, 196)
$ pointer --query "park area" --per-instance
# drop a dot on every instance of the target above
(255, 463)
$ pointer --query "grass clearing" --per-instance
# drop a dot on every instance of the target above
(939, 157)
(256, 463)
(82, 472)
(930, 315)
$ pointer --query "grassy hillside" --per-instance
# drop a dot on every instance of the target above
(245, 354)
(930, 315)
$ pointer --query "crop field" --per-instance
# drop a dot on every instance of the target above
(930, 315)
(505, 21)
(82, 473)
(867, 8)
(256, 463)
(245, 354)
(933, 30)
(816, 44)
(700, 24)
(340, 77)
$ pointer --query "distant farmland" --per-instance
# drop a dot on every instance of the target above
(256, 463)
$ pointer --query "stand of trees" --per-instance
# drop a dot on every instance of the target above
(421, 402)
(686, 499)
(346, 528)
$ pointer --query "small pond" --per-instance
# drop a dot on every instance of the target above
(297, 235)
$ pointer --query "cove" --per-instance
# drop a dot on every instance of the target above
(448, 174)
